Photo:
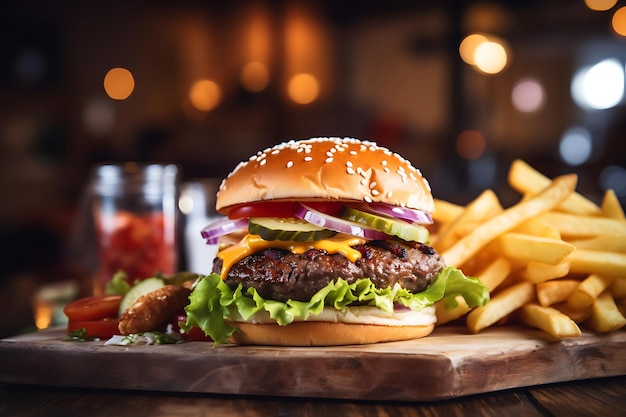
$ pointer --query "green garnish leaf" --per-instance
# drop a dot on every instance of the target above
(118, 284)
(80, 335)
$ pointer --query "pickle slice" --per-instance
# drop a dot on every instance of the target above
(278, 228)
(388, 225)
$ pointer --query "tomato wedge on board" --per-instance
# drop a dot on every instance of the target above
(195, 334)
(104, 328)
(93, 308)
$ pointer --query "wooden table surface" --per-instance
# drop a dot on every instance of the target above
(599, 397)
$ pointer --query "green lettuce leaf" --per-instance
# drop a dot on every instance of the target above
(212, 302)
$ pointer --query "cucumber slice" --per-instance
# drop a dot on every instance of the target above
(139, 289)
(278, 228)
(388, 225)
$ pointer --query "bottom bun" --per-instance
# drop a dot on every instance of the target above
(316, 333)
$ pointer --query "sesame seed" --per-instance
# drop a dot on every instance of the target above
(353, 152)
(386, 170)
(372, 185)
(348, 164)
(308, 158)
(350, 171)
(389, 194)
(263, 162)
(375, 192)
(367, 198)
(289, 164)
(363, 182)
(328, 160)
(384, 163)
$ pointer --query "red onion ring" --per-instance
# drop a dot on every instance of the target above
(401, 213)
(223, 227)
(327, 221)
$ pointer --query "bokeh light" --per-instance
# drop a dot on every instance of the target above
(528, 95)
(254, 76)
(468, 46)
(576, 146)
(618, 22)
(303, 88)
(119, 83)
(613, 177)
(490, 57)
(600, 86)
(600, 5)
(488, 54)
(470, 144)
(99, 117)
(205, 95)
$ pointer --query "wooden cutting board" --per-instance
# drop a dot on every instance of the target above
(449, 363)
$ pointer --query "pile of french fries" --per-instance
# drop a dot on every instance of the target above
(555, 260)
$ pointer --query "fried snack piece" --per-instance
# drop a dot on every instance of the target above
(154, 310)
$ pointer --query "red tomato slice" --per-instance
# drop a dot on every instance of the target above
(93, 308)
(281, 209)
(104, 329)
(264, 209)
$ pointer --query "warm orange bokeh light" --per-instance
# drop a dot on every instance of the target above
(303, 88)
(254, 76)
(119, 83)
(490, 57)
(468, 47)
(600, 5)
(205, 95)
(619, 21)
(470, 144)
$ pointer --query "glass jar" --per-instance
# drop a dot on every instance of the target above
(135, 215)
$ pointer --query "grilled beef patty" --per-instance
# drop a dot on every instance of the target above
(282, 275)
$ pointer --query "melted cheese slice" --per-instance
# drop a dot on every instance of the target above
(253, 243)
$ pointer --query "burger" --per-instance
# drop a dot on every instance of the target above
(324, 241)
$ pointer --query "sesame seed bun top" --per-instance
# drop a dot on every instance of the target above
(341, 169)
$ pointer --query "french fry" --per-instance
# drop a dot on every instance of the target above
(527, 180)
(469, 245)
(501, 305)
(484, 206)
(536, 227)
(534, 248)
(537, 272)
(604, 243)
(618, 289)
(578, 316)
(605, 316)
(573, 226)
(553, 292)
(588, 290)
(611, 207)
(555, 257)
(549, 320)
(492, 276)
(583, 261)
(446, 212)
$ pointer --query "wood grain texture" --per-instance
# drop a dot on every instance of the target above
(590, 398)
(450, 363)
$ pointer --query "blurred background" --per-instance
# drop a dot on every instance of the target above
(460, 88)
